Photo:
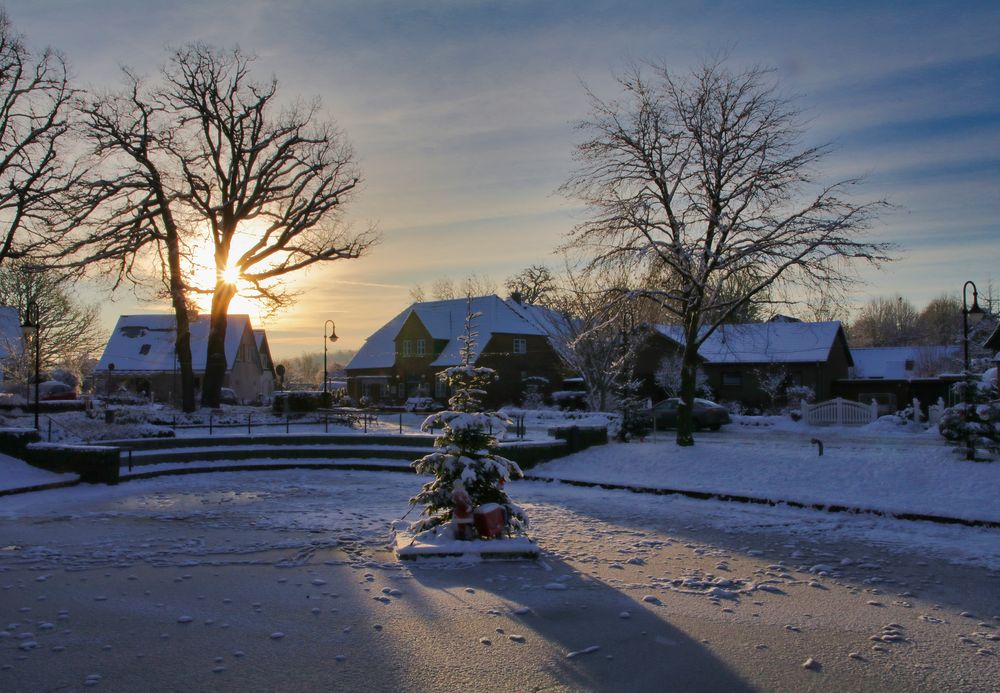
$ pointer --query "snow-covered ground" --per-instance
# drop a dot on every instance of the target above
(283, 581)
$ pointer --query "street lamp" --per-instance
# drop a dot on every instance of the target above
(31, 329)
(976, 313)
(333, 338)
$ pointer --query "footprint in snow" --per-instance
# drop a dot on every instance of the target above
(516, 638)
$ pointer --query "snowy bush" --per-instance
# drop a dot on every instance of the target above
(796, 393)
(533, 387)
(466, 454)
(668, 377)
(975, 425)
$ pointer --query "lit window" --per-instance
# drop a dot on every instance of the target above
(520, 345)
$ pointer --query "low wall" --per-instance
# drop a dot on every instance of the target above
(94, 463)
(14, 441)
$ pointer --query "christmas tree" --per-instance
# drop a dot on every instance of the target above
(465, 461)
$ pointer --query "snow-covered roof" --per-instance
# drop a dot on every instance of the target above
(904, 363)
(765, 342)
(11, 336)
(145, 343)
(445, 320)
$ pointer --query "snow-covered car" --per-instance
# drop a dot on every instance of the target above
(421, 404)
(53, 390)
(228, 396)
(706, 414)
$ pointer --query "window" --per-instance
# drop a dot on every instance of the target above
(732, 379)
(520, 345)
(421, 347)
(407, 348)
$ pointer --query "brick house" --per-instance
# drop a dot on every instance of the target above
(140, 358)
(403, 357)
(813, 354)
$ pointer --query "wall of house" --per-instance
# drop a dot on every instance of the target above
(244, 375)
(538, 359)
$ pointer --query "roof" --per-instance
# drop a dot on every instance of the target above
(445, 320)
(765, 342)
(904, 363)
(145, 343)
(11, 336)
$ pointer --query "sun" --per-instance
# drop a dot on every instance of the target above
(231, 274)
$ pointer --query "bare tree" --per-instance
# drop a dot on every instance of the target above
(534, 284)
(70, 330)
(207, 157)
(885, 321)
(705, 176)
(281, 179)
(589, 337)
(35, 97)
(940, 322)
(771, 380)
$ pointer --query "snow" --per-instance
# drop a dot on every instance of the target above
(768, 342)
(145, 343)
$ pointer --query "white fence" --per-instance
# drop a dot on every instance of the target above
(839, 411)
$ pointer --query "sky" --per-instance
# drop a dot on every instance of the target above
(462, 114)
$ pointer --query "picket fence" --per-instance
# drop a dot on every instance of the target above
(839, 412)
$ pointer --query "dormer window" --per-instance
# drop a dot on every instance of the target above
(144, 349)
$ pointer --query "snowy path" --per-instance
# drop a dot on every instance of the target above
(280, 581)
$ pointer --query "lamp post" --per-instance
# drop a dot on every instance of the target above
(31, 329)
(331, 337)
(977, 314)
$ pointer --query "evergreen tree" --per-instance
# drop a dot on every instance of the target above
(466, 446)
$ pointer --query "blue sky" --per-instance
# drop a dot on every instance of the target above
(462, 116)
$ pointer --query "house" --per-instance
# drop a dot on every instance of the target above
(267, 376)
(894, 376)
(403, 357)
(140, 358)
(811, 354)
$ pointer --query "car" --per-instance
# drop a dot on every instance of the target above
(228, 396)
(421, 404)
(55, 390)
(706, 414)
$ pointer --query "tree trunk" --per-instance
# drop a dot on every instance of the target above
(689, 377)
(182, 342)
(215, 359)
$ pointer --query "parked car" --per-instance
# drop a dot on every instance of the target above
(228, 396)
(706, 414)
(54, 390)
(422, 404)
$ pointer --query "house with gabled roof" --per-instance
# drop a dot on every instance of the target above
(403, 357)
(140, 358)
(894, 376)
(812, 354)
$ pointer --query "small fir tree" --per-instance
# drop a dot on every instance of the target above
(466, 446)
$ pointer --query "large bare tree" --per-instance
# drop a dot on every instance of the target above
(206, 157)
(705, 177)
(35, 97)
(275, 178)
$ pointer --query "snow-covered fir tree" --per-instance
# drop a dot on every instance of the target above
(466, 447)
